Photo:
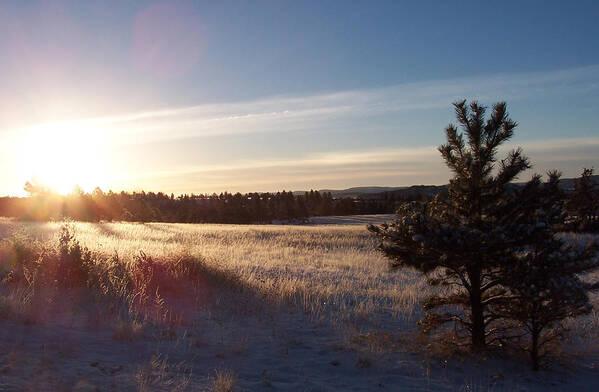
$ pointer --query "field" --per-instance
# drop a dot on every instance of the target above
(241, 307)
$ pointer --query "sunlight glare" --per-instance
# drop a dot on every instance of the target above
(62, 155)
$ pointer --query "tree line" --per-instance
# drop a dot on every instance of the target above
(44, 205)
(580, 204)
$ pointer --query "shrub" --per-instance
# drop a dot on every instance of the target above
(74, 261)
(18, 254)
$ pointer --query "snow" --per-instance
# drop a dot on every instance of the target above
(283, 350)
(352, 219)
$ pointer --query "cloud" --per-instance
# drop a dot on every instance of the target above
(393, 166)
(297, 113)
(364, 111)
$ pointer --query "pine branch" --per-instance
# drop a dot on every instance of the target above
(489, 285)
(496, 298)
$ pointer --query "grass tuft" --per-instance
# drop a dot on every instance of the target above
(223, 381)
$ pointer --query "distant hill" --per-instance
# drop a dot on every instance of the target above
(374, 192)
(361, 190)
(567, 184)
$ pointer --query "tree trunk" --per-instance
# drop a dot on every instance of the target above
(534, 350)
(477, 310)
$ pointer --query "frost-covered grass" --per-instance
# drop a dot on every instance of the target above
(330, 271)
(303, 307)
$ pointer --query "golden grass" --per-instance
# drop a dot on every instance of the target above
(332, 273)
(328, 271)
(223, 381)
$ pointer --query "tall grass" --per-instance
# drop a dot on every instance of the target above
(332, 273)
(328, 271)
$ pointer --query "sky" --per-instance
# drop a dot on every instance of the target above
(203, 97)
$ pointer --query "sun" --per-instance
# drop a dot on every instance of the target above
(61, 156)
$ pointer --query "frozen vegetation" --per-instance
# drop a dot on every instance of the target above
(238, 307)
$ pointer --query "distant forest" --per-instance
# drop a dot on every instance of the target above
(160, 207)
(580, 198)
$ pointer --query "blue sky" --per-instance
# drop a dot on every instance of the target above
(241, 96)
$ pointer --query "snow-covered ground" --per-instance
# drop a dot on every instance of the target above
(338, 220)
(351, 219)
(264, 351)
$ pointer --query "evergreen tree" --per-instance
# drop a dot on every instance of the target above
(462, 236)
(326, 204)
(584, 203)
(301, 209)
(542, 278)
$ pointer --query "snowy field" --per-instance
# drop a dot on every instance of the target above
(351, 219)
(345, 220)
(301, 308)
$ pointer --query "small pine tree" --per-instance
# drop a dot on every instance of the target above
(584, 203)
(543, 278)
(464, 236)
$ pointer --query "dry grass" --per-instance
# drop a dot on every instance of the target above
(332, 272)
(128, 330)
(223, 381)
(159, 374)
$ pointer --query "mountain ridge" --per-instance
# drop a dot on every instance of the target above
(430, 190)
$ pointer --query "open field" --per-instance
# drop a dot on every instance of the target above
(352, 220)
(244, 307)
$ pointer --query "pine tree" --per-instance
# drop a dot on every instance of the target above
(584, 203)
(463, 236)
(542, 278)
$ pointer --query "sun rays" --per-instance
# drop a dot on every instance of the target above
(62, 156)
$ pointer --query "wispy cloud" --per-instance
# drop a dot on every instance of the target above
(264, 167)
(285, 113)
(393, 166)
